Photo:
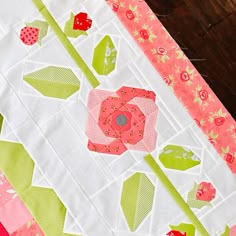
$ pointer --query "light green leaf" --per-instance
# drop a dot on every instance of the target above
(164, 58)
(69, 30)
(227, 231)
(54, 81)
(137, 199)
(192, 200)
(42, 26)
(180, 54)
(185, 228)
(197, 99)
(225, 150)
(178, 158)
(104, 57)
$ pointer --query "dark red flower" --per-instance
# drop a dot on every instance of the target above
(229, 158)
(203, 94)
(144, 34)
(184, 76)
(130, 15)
(115, 7)
(167, 80)
(82, 22)
(212, 141)
(198, 122)
(219, 121)
(161, 51)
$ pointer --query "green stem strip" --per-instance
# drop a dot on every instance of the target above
(175, 195)
(66, 43)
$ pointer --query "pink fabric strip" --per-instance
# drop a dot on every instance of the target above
(180, 75)
(14, 216)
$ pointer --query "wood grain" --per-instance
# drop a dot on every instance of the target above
(205, 29)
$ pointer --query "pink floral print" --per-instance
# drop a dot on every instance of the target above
(179, 74)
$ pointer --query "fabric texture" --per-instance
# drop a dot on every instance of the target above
(104, 128)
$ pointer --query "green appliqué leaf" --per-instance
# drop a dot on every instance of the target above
(185, 228)
(192, 200)
(178, 158)
(137, 199)
(54, 81)
(105, 55)
(42, 26)
(227, 231)
(69, 31)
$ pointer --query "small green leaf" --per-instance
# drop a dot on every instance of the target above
(193, 202)
(137, 199)
(197, 99)
(225, 150)
(180, 54)
(164, 58)
(104, 57)
(69, 31)
(185, 228)
(227, 231)
(178, 158)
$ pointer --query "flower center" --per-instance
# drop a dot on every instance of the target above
(121, 120)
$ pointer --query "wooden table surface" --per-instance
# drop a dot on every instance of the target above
(205, 30)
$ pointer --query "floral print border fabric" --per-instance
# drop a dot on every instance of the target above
(180, 75)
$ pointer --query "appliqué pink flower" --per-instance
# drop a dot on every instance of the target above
(122, 120)
(206, 192)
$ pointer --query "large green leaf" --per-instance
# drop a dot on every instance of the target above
(185, 228)
(70, 31)
(178, 158)
(54, 81)
(44, 205)
(42, 26)
(137, 199)
(105, 55)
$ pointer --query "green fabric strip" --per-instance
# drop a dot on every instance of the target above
(44, 205)
(1, 121)
(175, 195)
(66, 43)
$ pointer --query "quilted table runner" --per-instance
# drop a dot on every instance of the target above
(106, 128)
